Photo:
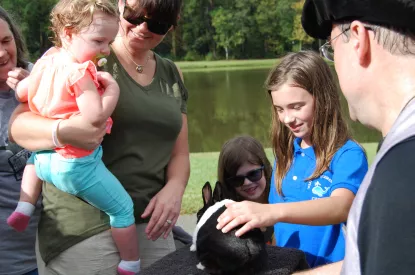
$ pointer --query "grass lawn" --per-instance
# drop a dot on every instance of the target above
(204, 168)
(225, 64)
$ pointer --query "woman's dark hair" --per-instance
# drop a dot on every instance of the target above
(18, 39)
(161, 10)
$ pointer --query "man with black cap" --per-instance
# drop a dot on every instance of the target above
(372, 43)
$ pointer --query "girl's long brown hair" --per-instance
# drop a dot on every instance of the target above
(329, 132)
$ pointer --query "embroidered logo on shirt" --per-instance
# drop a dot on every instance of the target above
(326, 178)
(114, 71)
(318, 190)
(176, 91)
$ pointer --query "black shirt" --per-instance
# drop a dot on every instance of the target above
(386, 233)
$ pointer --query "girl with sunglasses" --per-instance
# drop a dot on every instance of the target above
(147, 150)
(318, 169)
(245, 172)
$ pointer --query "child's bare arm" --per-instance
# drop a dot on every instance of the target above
(96, 109)
(111, 91)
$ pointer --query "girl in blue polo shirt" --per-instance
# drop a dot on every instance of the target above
(318, 167)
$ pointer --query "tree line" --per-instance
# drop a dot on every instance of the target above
(207, 30)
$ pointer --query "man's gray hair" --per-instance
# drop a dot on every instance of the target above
(395, 41)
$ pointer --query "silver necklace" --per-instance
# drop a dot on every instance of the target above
(139, 68)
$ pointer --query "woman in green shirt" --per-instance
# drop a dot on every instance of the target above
(147, 150)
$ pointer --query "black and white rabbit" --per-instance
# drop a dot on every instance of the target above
(224, 253)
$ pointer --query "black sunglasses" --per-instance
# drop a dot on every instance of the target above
(154, 26)
(253, 176)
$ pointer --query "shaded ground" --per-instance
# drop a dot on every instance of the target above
(187, 222)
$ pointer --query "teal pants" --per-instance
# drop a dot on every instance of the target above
(89, 179)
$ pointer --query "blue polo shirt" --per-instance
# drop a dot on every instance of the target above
(321, 244)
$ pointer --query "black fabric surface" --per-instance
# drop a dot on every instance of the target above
(282, 261)
(386, 233)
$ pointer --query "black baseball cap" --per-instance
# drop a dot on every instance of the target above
(319, 15)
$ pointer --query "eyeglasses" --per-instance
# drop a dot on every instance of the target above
(157, 27)
(326, 49)
(253, 176)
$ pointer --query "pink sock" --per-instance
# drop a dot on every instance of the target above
(20, 218)
(129, 267)
(124, 272)
(18, 221)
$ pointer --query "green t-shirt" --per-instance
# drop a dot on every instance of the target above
(147, 121)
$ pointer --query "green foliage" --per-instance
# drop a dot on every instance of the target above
(229, 32)
(208, 29)
(298, 33)
(197, 26)
(209, 57)
(33, 18)
(192, 56)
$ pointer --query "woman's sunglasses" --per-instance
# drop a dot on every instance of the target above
(253, 176)
(154, 26)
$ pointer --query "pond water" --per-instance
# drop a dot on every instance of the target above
(223, 104)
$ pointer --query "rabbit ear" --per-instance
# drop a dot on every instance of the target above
(222, 192)
(207, 193)
(218, 194)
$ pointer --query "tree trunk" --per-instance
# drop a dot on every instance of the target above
(265, 47)
(227, 53)
(174, 44)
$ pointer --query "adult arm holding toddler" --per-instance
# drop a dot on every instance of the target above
(318, 170)
(94, 108)
(35, 132)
